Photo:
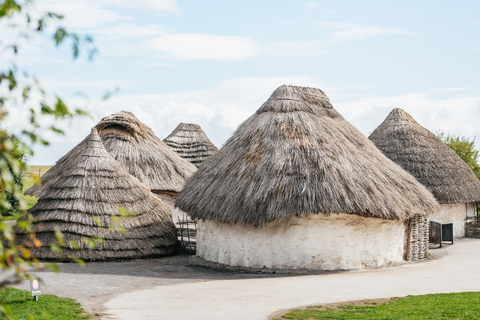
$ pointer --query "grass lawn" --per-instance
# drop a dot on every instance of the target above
(465, 305)
(22, 305)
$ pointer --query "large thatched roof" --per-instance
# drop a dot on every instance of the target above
(135, 146)
(191, 143)
(95, 185)
(427, 158)
(297, 156)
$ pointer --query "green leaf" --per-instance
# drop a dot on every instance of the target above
(59, 35)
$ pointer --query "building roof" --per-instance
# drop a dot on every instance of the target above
(191, 143)
(135, 146)
(297, 156)
(95, 186)
(427, 158)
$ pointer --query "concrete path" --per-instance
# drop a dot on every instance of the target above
(259, 298)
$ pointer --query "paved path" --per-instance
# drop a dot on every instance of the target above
(182, 287)
(249, 299)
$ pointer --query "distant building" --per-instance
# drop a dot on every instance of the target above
(134, 145)
(191, 143)
(89, 189)
(433, 164)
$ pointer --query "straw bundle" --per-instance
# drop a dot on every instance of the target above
(297, 156)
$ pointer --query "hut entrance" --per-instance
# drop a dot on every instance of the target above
(187, 233)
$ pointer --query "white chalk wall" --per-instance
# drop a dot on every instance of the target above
(342, 241)
(471, 209)
(455, 213)
(169, 200)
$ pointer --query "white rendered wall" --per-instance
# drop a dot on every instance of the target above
(471, 209)
(169, 200)
(455, 213)
(342, 241)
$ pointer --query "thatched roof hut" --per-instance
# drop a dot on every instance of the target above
(135, 146)
(295, 160)
(430, 161)
(191, 143)
(93, 187)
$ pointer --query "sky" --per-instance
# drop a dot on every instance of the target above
(215, 62)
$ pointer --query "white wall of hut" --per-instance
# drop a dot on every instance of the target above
(338, 241)
(456, 213)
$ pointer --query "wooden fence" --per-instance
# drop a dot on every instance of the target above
(187, 233)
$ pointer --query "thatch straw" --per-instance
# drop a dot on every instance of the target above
(427, 158)
(96, 186)
(297, 156)
(135, 146)
(191, 143)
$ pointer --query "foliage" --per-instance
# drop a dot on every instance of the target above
(464, 148)
(21, 304)
(465, 305)
(16, 91)
(19, 154)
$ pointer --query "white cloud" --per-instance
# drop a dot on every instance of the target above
(157, 5)
(355, 31)
(312, 5)
(452, 115)
(190, 46)
(316, 5)
(221, 108)
(52, 85)
(294, 48)
(348, 32)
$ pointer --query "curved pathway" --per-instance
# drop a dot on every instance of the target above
(259, 298)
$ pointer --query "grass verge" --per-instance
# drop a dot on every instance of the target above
(464, 305)
(23, 306)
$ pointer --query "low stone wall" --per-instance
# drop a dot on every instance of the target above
(339, 241)
(416, 238)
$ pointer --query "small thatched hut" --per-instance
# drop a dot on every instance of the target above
(134, 145)
(191, 143)
(433, 163)
(297, 186)
(95, 187)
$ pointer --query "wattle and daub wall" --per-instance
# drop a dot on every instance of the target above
(338, 241)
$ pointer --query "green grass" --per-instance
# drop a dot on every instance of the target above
(39, 170)
(27, 183)
(465, 305)
(22, 305)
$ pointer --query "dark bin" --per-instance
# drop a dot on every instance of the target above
(440, 231)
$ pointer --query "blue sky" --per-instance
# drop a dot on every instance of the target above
(215, 62)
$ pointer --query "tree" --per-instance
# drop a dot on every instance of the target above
(464, 148)
(19, 154)
(16, 88)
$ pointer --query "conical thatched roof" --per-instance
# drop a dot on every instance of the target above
(135, 146)
(427, 158)
(297, 156)
(95, 185)
(191, 143)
